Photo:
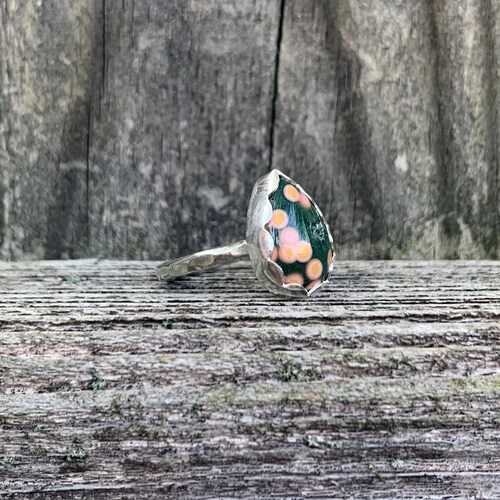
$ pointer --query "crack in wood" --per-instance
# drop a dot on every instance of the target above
(274, 102)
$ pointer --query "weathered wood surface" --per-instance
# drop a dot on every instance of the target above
(136, 129)
(390, 110)
(131, 128)
(386, 385)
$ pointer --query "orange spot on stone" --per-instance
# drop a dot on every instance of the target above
(279, 219)
(289, 236)
(291, 193)
(295, 278)
(330, 257)
(287, 254)
(303, 251)
(304, 201)
(314, 269)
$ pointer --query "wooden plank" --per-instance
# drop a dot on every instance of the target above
(388, 113)
(136, 129)
(133, 129)
(116, 384)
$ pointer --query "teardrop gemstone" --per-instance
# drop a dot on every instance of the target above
(302, 242)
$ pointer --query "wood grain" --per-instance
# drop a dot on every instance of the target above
(137, 129)
(389, 111)
(133, 129)
(385, 385)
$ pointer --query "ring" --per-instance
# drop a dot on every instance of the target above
(287, 240)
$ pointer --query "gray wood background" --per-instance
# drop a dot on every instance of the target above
(135, 129)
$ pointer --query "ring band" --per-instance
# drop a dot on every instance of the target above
(202, 261)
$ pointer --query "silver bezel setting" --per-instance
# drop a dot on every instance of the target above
(260, 242)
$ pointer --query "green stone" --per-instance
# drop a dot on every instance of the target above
(302, 244)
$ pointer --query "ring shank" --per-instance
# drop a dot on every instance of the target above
(201, 261)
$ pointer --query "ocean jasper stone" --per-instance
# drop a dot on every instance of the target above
(302, 242)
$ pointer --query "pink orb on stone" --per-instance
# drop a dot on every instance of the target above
(289, 236)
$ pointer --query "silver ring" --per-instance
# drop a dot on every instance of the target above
(288, 241)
